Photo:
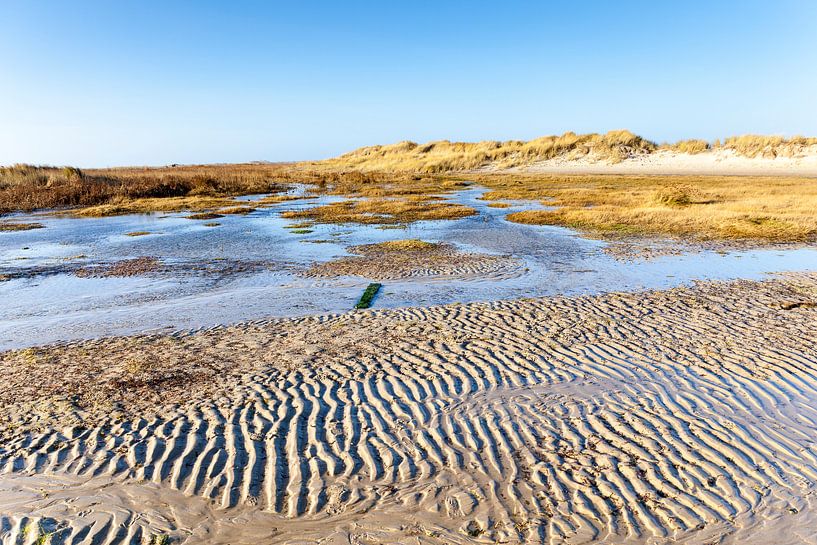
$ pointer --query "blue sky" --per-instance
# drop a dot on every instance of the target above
(127, 82)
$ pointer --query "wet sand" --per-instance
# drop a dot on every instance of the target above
(72, 279)
(688, 414)
(378, 262)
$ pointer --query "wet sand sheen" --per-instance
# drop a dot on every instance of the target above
(688, 414)
(255, 266)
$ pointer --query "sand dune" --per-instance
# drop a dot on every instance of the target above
(687, 415)
(668, 162)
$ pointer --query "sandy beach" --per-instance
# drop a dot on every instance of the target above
(686, 415)
(464, 273)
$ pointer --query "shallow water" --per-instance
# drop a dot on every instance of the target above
(60, 306)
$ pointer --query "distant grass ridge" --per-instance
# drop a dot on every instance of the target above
(444, 156)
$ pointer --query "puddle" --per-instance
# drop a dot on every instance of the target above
(57, 307)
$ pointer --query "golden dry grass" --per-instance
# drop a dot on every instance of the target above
(405, 245)
(753, 145)
(382, 211)
(19, 226)
(236, 210)
(697, 207)
(444, 156)
(692, 146)
(157, 204)
(26, 187)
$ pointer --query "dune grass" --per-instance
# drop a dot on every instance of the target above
(754, 145)
(692, 146)
(444, 156)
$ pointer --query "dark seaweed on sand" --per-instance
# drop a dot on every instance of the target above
(368, 296)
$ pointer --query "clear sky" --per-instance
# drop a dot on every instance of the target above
(142, 82)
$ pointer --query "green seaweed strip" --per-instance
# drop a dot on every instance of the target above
(368, 295)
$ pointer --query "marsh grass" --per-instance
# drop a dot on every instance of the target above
(676, 195)
(406, 245)
(382, 211)
(15, 226)
(29, 187)
(771, 209)
(124, 268)
(204, 216)
(155, 204)
(236, 210)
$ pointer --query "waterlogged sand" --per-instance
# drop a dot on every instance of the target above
(81, 278)
(687, 415)
(385, 261)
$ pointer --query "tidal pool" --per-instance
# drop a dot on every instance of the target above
(248, 267)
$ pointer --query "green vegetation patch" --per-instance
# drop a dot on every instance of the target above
(368, 296)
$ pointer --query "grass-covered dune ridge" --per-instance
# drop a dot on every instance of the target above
(612, 147)
(444, 156)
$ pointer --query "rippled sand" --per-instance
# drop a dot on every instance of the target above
(687, 415)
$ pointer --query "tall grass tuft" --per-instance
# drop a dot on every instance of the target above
(753, 145)
(692, 146)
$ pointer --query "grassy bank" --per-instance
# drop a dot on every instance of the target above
(778, 209)
(126, 190)
(697, 207)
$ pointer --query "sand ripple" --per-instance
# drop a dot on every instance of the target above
(688, 415)
(379, 262)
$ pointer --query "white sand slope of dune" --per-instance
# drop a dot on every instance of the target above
(715, 162)
(688, 415)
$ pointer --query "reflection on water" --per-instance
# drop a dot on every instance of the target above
(47, 308)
